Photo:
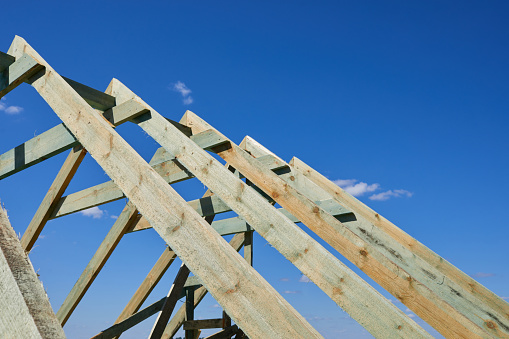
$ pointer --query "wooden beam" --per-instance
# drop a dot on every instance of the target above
(169, 304)
(23, 68)
(55, 192)
(224, 334)
(178, 319)
(52, 142)
(148, 284)
(181, 227)
(55, 141)
(110, 242)
(203, 324)
(189, 291)
(400, 265)
(5, 61)
(379, 316)
(25, 309)
(133, 320)
(97, 99)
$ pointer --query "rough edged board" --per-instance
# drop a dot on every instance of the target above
(241, 291)
(25, 309)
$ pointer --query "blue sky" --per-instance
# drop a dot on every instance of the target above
(404, 103)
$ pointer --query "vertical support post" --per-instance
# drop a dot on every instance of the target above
(190, 310)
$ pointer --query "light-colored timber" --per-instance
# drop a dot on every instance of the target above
(251, 182)
(25, 308)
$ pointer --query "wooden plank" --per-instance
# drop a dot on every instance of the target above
(55, 141)
(429, 302)
(148, 284)
(52, 142)
(203, 324)
(23, 68)
(356, 297)
(169, 304)
(26, 311)
(5, 60)
(311, 258)
(97, 99)
(133, 320)
(181, 227)
(178, 319)
(224, 334)
(55, 192)
(110, 242)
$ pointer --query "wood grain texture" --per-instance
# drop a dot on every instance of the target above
(26, 311)
(492, 317)
(55, 192)
(228, 277)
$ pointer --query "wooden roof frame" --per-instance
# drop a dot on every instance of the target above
(449, 300)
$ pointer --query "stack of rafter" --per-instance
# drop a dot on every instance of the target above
(446, 298)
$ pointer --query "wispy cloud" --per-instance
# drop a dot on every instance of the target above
(355, 188)
(284, 279)
(304, 279)
(215, 306)
(180, 87)
(114, 216)
(359, 188)
(11, 110)
(291, 292)
(505, 298)
(483, 275)
(94, 212)
(391, 193)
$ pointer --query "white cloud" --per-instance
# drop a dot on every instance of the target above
(94, 212)
(180, 87)
(483, 275)
(505, 298)
(391, 193)
(304, 279)
(13, 110)
(114, 217)
(215, 306)
(411, 315)
(284, 279)
(291, 292)
(355, 188)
